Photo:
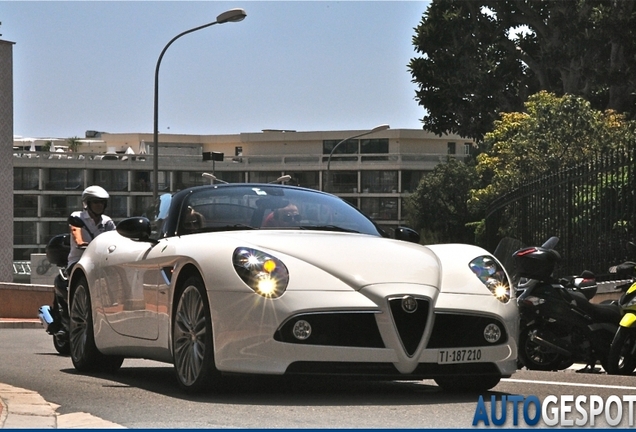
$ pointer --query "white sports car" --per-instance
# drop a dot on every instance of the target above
(274, 279)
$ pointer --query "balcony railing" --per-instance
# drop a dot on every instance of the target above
(353, 161)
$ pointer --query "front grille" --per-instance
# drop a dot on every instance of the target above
(352, 329)
(454, 331)
(410, 326)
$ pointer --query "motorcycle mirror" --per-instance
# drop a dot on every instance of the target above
(550, 243)
(623, 270)
(76, 221)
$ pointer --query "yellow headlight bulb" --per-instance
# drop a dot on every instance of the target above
(269, 266)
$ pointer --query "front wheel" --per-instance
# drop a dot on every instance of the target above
(536, 357)
(192, 345)
(622, 355)
(84, 354)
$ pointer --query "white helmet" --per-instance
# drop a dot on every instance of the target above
(94, 192)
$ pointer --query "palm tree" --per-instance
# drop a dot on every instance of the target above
(73, 143)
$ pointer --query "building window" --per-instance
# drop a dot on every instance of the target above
(264, 176)
(231, 176)
(186, 179)
(25, 206)
(26, 178)
(341, 181)
(143, 206)
(64, 179)
(140, 181)
(377, 145)
(308, 179)
(451, 148)
(347, 147)
(411, 179)
(163, 181)
(60, 206)
(111, 180)
(24, 233)
(51, 229)
(379, 181)
(380, 208)
(117, 207)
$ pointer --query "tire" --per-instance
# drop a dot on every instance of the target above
(535, 357)
(622, 355)
(468, 384)
(62, 345)
(192, 346)
(84, 354)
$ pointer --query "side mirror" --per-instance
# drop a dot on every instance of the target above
(407, 234)
(76, 221)
(135, 228)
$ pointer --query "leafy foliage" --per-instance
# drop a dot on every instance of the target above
(553, 134)
(439, 206)
(480, 58)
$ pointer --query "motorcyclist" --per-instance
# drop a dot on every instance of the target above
(84, 225)
(94, 222)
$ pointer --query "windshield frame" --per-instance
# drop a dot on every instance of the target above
(248, 199)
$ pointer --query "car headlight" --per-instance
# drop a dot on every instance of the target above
(491, 274)
(265, 274)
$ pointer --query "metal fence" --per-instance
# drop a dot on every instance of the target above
(591, 208)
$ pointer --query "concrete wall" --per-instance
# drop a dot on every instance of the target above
(6, 160)
(23, 300)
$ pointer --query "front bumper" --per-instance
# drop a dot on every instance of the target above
(364, 333)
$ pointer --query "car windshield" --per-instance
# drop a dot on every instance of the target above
(239, 207)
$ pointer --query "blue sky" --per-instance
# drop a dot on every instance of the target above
(300, 65)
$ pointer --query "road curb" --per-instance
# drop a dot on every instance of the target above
(17, 323)
(26, 409)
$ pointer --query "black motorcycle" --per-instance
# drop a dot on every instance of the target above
(559, 324)
(55, 317)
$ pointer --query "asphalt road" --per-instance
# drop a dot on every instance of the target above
(144, 394)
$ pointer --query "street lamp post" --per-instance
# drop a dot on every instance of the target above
(374, 130)
(232, 15)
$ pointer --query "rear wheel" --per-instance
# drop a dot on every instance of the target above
(192, 345)
(622, 356)
(62, 344)
(468, 383)
(536, 357)
(84, 354)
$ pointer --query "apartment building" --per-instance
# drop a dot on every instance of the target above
(375, 171)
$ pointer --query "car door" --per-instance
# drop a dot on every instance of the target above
(128, 287)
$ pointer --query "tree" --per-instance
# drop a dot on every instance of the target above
(73, 143)
(552, 134)
(439, 206)
(481, 58)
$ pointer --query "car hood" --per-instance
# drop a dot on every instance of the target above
(356, 259)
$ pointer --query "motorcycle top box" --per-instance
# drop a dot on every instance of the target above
(536, 262)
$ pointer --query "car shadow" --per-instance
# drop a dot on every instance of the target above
(288, 390)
